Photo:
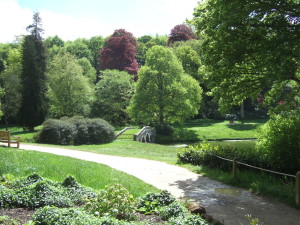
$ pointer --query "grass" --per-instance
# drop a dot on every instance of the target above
(216, 129)
(193, 130)
(26, 136)
(22, 163)
(129, 148)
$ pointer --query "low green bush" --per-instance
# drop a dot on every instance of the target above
(52, 215)
(100, 131)
(34, 192)
(76, 130)
(279, 141)
(65, 216)
(164, 129)
(6, 196)
(157, 200)
(8, 220)
(205, 154)
(178, 135)
(56, 132)
(175, 209)
(115, 201)
(187, 220)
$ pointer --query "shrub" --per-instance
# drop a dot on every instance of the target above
(41, 194)
(205, 154)
(163, 198)
(116, 202)
(177, 135)
(100, 131)
(164, 129)
(34, 191)
(175, 209)
(82, 133)
(187, 220)
(52, 215)
(8, 220)
(279, 142)
(56, 132)
(5, 197)
(76, 130)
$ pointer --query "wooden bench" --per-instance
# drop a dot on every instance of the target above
(6, 138)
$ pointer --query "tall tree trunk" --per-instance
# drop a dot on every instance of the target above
(242, 111)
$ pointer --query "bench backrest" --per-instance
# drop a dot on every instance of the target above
(4, 135)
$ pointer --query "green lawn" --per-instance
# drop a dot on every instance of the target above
(192, 130)
(129, 148)
(216, 129)
(22, 163)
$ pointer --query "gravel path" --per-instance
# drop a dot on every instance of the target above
(225, 203)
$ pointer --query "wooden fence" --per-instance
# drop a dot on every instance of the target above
(234, 174)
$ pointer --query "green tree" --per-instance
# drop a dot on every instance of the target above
(95, 44)
(88, 69)
(54, 46)
(250, 47)
(145, 43)
(278, 141)
(70, 92)
(11, 100)
(33, 78)
(164, 94)
(190, 61)
(113, 93)
(79, 48)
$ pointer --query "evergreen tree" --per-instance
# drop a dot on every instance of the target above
(33, 108)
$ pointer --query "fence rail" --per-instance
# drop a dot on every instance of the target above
(125, 136)
(234, 173)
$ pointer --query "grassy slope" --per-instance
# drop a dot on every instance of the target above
(216, 129)
(21, 163)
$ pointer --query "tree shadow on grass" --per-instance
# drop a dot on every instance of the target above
(241, 127)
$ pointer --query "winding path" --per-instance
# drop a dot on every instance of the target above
(225, 203)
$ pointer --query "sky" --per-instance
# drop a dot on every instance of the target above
(71, 19)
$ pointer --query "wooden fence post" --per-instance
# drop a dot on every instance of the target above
(234, 169)
(298, 188)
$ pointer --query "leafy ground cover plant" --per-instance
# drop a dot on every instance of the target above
(34, 191)
(53, 215)
(168, 208)
(59, 203)
(115, 201)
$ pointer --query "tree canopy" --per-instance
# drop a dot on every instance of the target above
(70, 92)
(10, 78)
(119, 52)
(180, 33)
(113, 93)
(164, 94)
(250, 48)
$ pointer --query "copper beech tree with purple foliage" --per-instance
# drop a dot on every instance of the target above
(119, 53)
(181, 33)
